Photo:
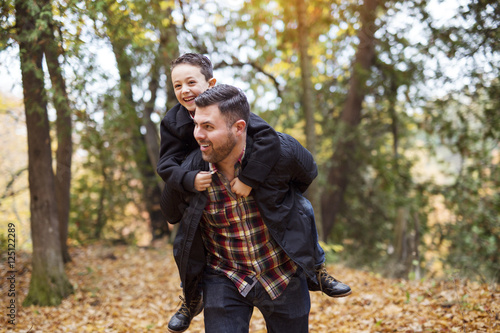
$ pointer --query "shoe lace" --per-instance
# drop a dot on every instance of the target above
(323, 274)
(184, 308)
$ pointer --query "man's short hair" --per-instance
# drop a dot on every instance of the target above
(198, 60)
(232, 102)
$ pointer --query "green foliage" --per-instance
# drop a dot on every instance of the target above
(471, 133)
(108, 181)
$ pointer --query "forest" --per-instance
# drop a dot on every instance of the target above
(398, 101)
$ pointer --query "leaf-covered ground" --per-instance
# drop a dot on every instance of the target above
(130, 289)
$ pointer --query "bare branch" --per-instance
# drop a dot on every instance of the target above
(237, 63)
(8, 191)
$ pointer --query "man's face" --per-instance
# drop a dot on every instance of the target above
(216, 140)
(188, 83)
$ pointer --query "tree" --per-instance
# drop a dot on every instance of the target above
(342, 160)
(49, 283)
(145, 145)
(307, 97)
(64, 126)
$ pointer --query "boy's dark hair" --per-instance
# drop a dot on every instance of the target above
(232, 102)
(198, 60)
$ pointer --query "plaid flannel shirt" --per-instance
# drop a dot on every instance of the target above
(238, 242)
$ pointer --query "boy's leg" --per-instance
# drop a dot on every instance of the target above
(326, 283)
(226, 311)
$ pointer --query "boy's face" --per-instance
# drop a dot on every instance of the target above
(188, 83)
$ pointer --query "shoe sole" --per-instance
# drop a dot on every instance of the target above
(341, 295)
(172, 331)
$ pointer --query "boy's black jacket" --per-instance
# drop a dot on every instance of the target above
(177, 141)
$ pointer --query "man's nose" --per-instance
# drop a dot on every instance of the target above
(198, 133)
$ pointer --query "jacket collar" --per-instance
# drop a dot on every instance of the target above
(182, 116)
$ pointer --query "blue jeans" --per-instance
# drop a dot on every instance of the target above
(227, 311)
(309, 212)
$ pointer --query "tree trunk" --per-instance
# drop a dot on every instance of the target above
(169, 51)
(307, 99)
(342, 160)
(49, 283)
(152, 137)
(63, 129)
(152, 191)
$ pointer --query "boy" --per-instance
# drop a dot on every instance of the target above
(192, 74)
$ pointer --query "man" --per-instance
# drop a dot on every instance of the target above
(192, 74)
(246, 252)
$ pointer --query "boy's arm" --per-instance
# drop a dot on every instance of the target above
(172, 203)
(265, 154)
(303, 165)
(173, 150)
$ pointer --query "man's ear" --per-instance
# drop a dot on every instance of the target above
(240, 126)
(212, 82)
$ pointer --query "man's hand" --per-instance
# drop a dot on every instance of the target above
(202, 180)
(239, 188)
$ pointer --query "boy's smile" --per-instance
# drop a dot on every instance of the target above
(189, 82)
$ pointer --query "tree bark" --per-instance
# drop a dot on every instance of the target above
(64, 126)
(342, 160)
(49, 283)
(169, 51)
(307, 100)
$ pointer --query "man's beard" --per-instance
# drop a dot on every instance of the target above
(217, 155)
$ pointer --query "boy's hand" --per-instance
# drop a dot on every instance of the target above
(239, 188)
(202, 180)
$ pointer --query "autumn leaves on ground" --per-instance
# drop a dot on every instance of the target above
(130, 289)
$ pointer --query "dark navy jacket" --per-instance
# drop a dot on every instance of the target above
(279, 199)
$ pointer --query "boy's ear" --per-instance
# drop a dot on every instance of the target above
(211, 82)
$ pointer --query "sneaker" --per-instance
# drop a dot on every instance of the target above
(181, 320)
(330, 285)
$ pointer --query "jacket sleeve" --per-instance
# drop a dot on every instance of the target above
(266, 151)
(304, 167)
(172, 203)
(173, 149)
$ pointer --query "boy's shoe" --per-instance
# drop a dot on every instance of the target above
(329, 285)
(181, 320)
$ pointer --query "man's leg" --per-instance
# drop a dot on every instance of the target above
(226, 311)
(181, 320)
(290, 311)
